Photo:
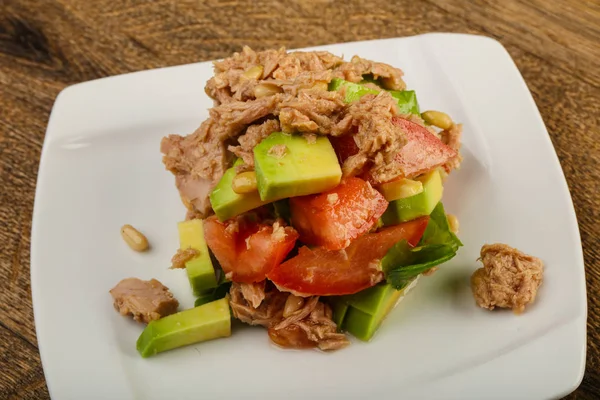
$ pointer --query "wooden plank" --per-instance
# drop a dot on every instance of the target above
(565, 34)
(21, 376)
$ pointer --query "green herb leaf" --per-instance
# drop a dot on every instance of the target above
(214, 294)
(403, 263)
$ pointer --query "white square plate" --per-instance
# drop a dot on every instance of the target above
(101, 168)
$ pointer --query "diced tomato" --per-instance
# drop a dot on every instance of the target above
(329, 273)
(249, 251)
(334, 218)
(344, 146)
(423, 151)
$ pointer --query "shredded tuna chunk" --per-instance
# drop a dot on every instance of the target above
(311, 138)
(451, 138)
(253, 293)
(312, 111)
(253, 136)
(277, 150)
(309, 326)
(279, 233)
(237, 76)
(145, 300)
(390, 77)
(199, 160)
(183, 256)
(268, 313)
(295, 63)
(509, 278)
(378, 139)
(194, 173)
(192, 214)
(232, 118)
(310, 80)
(231, 81)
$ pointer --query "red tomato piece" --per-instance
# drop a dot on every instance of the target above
(334, 218)
(321, 272)
(422, 152)
(344, 146)
(249, 251)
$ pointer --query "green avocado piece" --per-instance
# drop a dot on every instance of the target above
(412, 207)
(226, 203)
(339, 307)
(200, 270)
(368, 308)
(354, 91)
(199, 324)
(407, 99)
(291, 165)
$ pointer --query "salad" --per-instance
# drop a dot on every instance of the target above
(313, 195)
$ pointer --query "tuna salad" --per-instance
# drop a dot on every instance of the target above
(313, 193)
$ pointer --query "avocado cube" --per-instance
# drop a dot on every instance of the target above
(412, 207)
(199, 324)
(368, 308)
(370, 300)
(407, 101)
(200, 270)
(290, 165)
(226, 203)
(339, 307)
(353, 91)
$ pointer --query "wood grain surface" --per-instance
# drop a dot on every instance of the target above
(49, 44)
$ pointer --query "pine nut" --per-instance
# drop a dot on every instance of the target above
(321, 85)
(134, 238)
(266, 89)
(254, 73)
(437, 118)
(244, 182)
(292, 304)
(453, 223)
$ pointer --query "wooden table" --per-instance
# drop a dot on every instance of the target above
(47, 45)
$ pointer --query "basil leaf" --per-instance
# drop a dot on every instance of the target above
(402, 263)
